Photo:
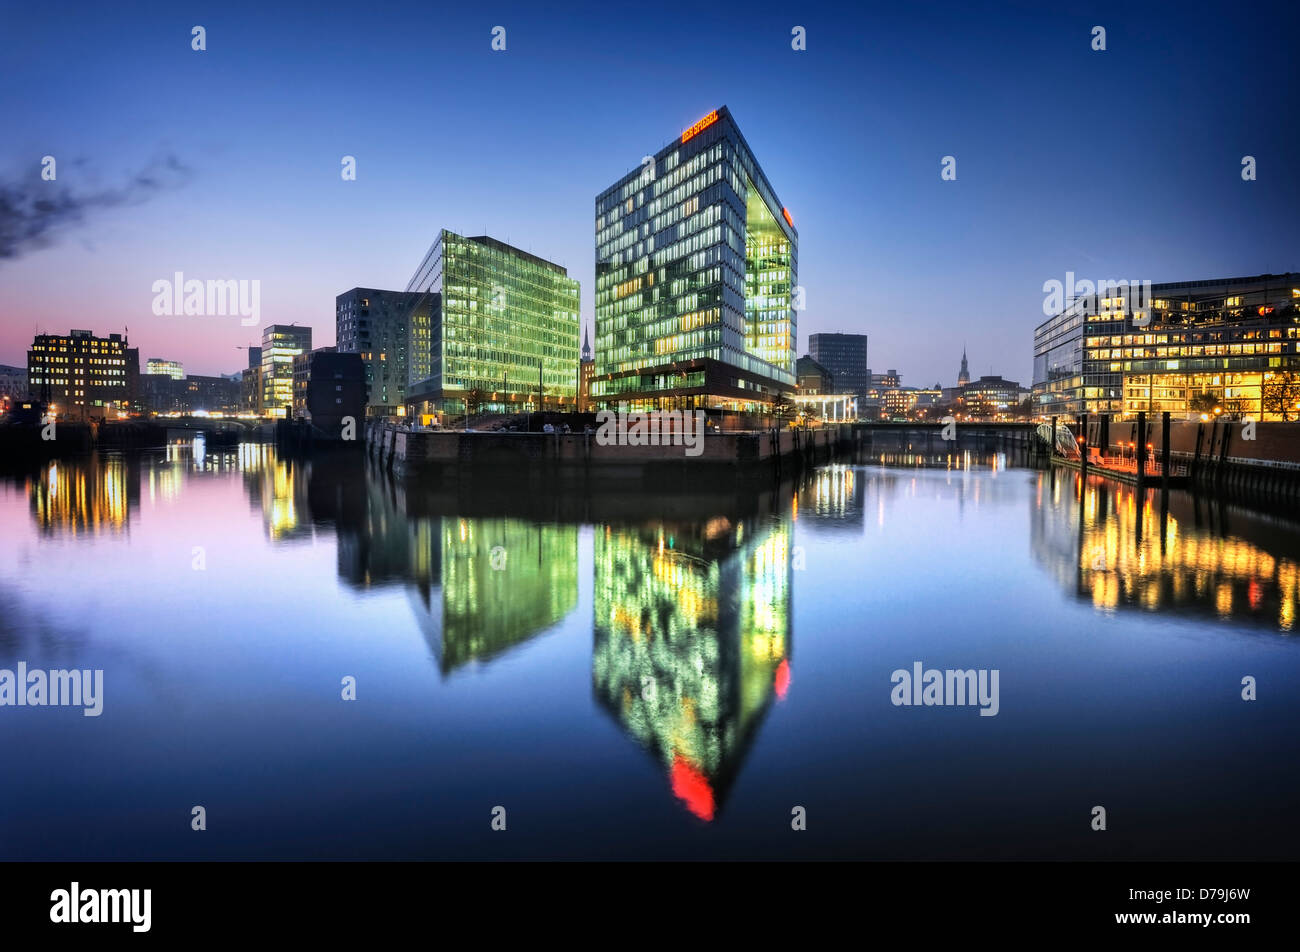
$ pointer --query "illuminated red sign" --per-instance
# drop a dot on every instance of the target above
(788, 220)
(700, 126)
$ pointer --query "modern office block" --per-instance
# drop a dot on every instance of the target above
(696, 274)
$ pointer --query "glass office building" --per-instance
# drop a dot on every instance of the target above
(1232, 342)
(845, 357)
(281, 343)
(696, 274)
(493, 328)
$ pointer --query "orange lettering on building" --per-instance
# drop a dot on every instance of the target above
(788, 220)
(700, 126)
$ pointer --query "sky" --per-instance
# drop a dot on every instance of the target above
(225, 163)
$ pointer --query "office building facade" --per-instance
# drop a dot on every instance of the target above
(812, 377)
(493, 328)
(845, 356)
(83, 376)
(1232, 343)
(156, 366)
(13, 383)
(696, 279)
(374, 323)
(281, 343)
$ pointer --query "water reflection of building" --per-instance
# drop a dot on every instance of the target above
(279, 487)
(692, 641)
(833, 498)
(477, 586)
(1120, 549)
(89, 495)
(503, 581)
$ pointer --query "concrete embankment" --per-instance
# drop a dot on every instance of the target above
(450, 455)
(1237, 458)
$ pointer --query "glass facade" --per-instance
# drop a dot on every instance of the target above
(1234, 339)
(491, 325)
(845, 357)
(696, 270)
(281, 343)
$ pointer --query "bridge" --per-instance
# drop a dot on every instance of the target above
(938, 437)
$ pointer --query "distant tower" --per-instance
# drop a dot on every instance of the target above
(586, 367)
(963, 377)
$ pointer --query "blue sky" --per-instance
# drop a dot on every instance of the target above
(1117, 164)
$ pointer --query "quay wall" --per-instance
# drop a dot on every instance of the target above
(443, 453)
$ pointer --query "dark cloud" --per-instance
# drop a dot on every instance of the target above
(33, 212)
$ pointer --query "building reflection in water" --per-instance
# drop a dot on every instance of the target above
(692, 642)
(478, 586)
(833, 498)
(85, 496)
(1121, 549)
(502, 582)
(97, 493)
(278, 487)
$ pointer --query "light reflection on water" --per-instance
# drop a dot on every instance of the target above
(500, 637)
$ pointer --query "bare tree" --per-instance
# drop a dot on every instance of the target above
(1280, 394)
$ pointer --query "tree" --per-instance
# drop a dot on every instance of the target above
(1280, 393)
(782, 407)
(1203, 402)
(1236, 407)
(809, 413)
(474, 400)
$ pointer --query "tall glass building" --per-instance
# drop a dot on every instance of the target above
(845, 356)
(492, 326)
(696, 268)
(281, 343)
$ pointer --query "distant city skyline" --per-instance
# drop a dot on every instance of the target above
(1123, 163)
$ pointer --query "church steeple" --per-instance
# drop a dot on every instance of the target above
(586, 346)
(963, 377)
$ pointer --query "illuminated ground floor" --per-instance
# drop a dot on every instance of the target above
(1262, 395)
(703, 384)
(445, 407)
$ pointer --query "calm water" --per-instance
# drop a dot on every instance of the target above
(640, 676)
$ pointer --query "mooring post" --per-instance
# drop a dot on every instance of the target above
(1196, 456)
(1164, 452)
(1141, 441)
(1083, 445)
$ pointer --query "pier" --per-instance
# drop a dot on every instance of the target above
(447, 454)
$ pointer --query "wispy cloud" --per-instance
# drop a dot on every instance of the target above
(34, 212)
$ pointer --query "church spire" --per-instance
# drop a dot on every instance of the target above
(963, 377)
(586, 345)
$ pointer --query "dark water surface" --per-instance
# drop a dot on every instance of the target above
(641, 676)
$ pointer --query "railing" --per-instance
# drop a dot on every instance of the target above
(1128, 464)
